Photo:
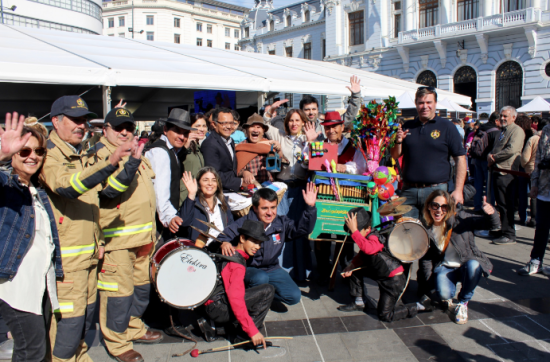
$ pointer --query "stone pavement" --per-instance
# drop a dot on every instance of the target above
(509, 321)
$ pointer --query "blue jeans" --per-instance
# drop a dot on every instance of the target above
(286, 289)
(480, 179)
(446, 278)
(417, 197)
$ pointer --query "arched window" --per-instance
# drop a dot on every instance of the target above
(272, 25)
(289, 20)
(547, 69)
(509, 85)
(465, 82)
(427, 78)
(306, 16)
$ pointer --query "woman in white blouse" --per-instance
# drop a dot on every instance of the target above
(30, 255)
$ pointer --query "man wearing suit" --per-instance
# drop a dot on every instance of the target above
(218, 150)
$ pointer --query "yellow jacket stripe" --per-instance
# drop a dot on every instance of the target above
(77, 185)
(65, 308)
(127, 230)
(77, 250)
(116, 185)
(113, 287)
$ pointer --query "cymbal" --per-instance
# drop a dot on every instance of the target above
(389, 206)
(210, 225)
(398, 211)
(204, 233)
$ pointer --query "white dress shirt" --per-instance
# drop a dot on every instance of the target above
(214, 217)
(356, 167)
(36, 273)
(160, 161)
(228, 144)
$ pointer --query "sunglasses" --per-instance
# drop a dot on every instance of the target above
(26, 151)
(431, 89)
(125, 126)
(435, 206)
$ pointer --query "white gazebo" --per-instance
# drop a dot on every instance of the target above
(538, 104)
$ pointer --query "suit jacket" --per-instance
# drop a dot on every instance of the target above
(217, 155)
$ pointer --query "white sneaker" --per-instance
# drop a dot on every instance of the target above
(546, 271)
(533, 267)
(6, 349)
(461, 313)
(449, 303)
(482, 233)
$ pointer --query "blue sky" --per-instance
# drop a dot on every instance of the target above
(250, 3)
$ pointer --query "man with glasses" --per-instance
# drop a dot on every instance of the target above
(426, 144)
(73, 191)
(218, 149)
(127, 212)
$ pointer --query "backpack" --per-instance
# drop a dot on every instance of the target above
(480, 142)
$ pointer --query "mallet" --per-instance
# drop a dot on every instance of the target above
(196, 352)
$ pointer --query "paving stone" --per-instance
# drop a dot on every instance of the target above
(363, 322)
(407, 322)
(325, 325)
(375, 345)
(535, 305)
(419, 336)
(208, 357)
(430, 353)
(286, 328)
(518, 329)
(522, 351)
(278, 354)
(304, 349)
(479, 310)
(434, 317)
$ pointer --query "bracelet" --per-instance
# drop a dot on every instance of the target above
(398, 143)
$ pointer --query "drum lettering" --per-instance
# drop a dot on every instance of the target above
(188, 259)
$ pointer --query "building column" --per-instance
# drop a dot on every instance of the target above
(486, 8)
(446, 13)
(535, 4)
(409, 9)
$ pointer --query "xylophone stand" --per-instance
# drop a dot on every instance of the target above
(332, 282)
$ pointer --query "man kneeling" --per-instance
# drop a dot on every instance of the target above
(250, 306)
(375, 262)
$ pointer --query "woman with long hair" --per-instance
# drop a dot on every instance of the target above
(451, 231)
(194, 160)
(206, 202)
(31, 258)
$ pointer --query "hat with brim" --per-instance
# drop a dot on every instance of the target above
(253, 229)
(180, 118)
(363, 218)
(256, 119)
(332, 118)
(118, 116)
(71, 106)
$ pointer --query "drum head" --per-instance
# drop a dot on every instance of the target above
(408, 241)
(186, 277)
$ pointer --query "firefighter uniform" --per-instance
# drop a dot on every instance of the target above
(127, 218)
(73, 191)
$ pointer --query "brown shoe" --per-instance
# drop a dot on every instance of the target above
(129, 356)
(150, 337)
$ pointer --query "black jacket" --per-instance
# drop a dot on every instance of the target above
(282, 229)
(491, 137)
(463, 239)
(217, 155)
(190, 211)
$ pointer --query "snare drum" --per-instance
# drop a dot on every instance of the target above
(184, 275)
(408, 241)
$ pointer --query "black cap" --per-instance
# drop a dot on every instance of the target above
(180, 118)
(253, 229)
(118, 116)
(363, 218)
(158, 126)
(72, 106)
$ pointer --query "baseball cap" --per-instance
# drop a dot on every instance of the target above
(72, 106)
(118, 116)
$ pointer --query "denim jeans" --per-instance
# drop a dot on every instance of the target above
(480, 178)
(446, 278)
(416, 197)
(286, 290)
(542, 230)
(29, 331)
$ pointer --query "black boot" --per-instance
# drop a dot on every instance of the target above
(207, 330)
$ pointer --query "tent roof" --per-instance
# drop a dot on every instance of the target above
(406, 100)
(538, 104)
(57, 57)
(452, 106)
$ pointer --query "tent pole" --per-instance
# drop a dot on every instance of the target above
(261, 100)
(106, 98)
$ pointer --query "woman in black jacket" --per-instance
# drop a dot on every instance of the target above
(206, 202)
(458, 258)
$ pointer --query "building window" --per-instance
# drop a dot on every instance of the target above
(150, 35)
(111, 22)
(176, 22)
(547, 69)
(272, 25)
(121, 21)
(465, 83)
(288, 51)
(290, 97)
(122, 35)
(209, 29)
(236, 47)
(271, 52)
(150, 20)
(397, 5)
(209, 43)
(396, 25)
(511, 5)
(324, 48)
(199, 27)
(509, 85)
(356, 25)
(177, 39)
(199, 42)
(228, 46)
(236, 34)
(227, 32)
(428, 12)
(307, 51)
(427, 78)
(289, 20)
(246, 32)
(468, 9)
(306, 16)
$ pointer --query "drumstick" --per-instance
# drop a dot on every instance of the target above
(205, 234)
(196, 352)
(338, 257)
(210, 225)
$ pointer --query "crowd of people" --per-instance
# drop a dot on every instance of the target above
(86, 207)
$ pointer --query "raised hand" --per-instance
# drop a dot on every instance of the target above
(121, 104)
(12, 141)
(310, 194)
(351, 222)
(355, 84)
(193, 136)
(487, 208)
(400, 135)
(137, 150)
(121, 152)
(311, 133)
(191, 184)
(271, 111)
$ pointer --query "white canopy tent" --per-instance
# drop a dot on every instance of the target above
(406, 100)
(538, 104)
(57, 57)
(451, 106)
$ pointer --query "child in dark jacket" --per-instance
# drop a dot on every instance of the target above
(376, 262)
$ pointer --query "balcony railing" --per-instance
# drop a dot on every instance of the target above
(510, 19)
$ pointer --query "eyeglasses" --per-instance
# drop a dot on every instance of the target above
(125, 126)
(226, 124)
(431, 89)
(435, 206)
(26, 151)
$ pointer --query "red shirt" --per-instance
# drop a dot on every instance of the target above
(370, 246)
(233, 280)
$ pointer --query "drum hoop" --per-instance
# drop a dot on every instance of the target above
(158, 269)
(427, 236)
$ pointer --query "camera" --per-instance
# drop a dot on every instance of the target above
(544, 165)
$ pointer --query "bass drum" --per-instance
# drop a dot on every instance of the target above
(184, 275)
(409, 240)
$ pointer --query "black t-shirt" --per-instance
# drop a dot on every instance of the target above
(427, 148)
